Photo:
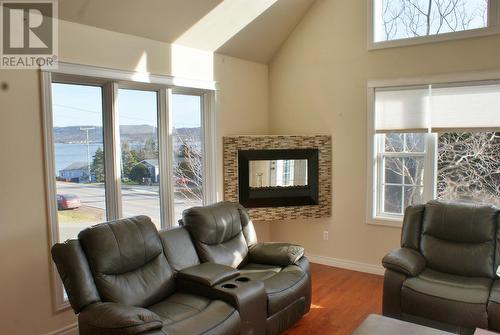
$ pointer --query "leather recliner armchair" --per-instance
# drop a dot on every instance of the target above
(444, 273)
(224, 234)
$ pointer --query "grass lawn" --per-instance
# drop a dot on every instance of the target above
(82, 214)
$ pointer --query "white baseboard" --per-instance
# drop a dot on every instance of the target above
(346, 264)
(72, 329)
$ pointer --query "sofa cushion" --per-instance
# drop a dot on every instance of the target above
(283, 286)
(459, 238)
(217, 233)
(127, 261)
(447, 298)
(190, 314)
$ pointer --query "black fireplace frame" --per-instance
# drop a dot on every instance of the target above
(278, 196)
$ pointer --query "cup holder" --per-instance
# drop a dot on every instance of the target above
(242, 279)
(229, 286)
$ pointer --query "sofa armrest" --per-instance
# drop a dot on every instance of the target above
(108, 318)
(208, 274)
(275, 253)
(404, 260)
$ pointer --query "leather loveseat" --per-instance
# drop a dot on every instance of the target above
(125, 277)
(444, 274)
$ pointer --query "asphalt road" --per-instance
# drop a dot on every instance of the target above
(136, 199)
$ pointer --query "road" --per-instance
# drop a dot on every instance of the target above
(136, 200)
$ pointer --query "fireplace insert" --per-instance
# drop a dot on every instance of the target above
(278, 177)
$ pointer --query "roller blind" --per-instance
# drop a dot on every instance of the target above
(438, 108)
(402, 110)
(465, 107)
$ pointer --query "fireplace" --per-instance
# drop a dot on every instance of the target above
(278, 177)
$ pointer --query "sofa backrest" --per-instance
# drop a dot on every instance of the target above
(221, 232)
(179, 248)
(127, 261)
(459, 238)
(75, 274)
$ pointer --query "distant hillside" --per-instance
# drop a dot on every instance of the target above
(132, 134)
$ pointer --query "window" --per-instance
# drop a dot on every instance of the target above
(79, 157)
(434, 141)
(109, 148)
(137, 112)
(400, 22)
(188, 152)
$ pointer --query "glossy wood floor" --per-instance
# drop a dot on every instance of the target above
(341, 299)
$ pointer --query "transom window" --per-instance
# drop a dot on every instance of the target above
(399, 22)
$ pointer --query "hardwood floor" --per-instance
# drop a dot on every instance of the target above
(341, 299)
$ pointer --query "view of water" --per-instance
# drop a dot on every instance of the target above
(68, 153)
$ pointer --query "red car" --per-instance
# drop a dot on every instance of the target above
(68, 201)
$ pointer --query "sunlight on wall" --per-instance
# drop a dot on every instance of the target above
(192, 63)
(141, 69)
(222, 23)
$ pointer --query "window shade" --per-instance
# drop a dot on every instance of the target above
(438, 108)
(401, 110)
(466, 107)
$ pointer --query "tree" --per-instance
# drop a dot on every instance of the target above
(97, 166)
(139, 172)
(411, 18)
(469, 166)
(189, 170)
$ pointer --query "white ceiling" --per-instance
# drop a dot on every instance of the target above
(248, 29)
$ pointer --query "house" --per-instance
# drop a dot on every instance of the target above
(401, 96)
(77, 172)
(152, 166)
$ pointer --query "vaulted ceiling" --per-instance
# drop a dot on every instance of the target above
(248, 29)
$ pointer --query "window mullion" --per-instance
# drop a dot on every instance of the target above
(112, 152)
(209, 162)
(165, 158)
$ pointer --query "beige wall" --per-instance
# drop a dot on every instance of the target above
(26, 300)
(318, 85)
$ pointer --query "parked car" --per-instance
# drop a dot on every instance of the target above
(68, 201)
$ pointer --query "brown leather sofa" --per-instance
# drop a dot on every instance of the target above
(444, 274)
(125, 277)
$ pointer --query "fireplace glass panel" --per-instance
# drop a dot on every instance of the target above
(277, 173)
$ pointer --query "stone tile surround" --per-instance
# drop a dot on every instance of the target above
(231, 145)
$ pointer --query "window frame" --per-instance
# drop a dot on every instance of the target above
(492, 28)
(430, 170)
(111, 80)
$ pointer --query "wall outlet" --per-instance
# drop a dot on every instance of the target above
(325, 235)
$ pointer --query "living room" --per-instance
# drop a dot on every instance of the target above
(331, 122)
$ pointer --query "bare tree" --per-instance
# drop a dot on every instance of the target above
(188, 172)
(411, 18)
(469, 167)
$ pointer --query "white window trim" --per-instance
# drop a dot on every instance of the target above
(431, 164)
(109, 80)
(493, 28)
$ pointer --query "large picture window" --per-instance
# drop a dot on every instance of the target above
(400, 22)
(434, 141)
(116, 146)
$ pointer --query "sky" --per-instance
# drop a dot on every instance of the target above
(79, 105)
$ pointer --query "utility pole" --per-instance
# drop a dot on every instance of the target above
(88, 148)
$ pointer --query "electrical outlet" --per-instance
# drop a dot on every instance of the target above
(325, 235)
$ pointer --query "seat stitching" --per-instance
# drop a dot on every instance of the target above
(143, 240)
(295, 284)
(117, 244)
(213, 327)
(181, 304)
(435, 296)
